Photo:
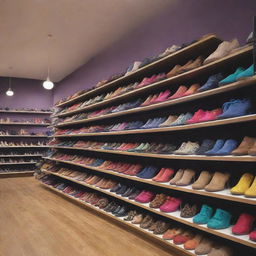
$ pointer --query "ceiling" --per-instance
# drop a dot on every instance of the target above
(80, 29)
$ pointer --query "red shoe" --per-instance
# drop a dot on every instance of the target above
(243, 225)
(166, 176)
(179, 93)
(210, 115)
(183, 238)
(158, 175)
(196, 117)
(171, 204)
(192, 90)
(134, 170)
(252, 235)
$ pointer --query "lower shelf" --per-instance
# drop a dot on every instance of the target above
(15, 174)
(225, 233)
(148, 234)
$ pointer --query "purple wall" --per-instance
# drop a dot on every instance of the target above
(182, 22)
(28, 93)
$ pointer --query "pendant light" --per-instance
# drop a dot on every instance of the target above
(10, 92)
(48, 84)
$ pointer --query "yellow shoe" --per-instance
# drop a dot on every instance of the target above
(243, 184)
(251, 191)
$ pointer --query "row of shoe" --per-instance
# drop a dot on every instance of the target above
(232, 108)
(23, 132)
(29, 168)
(31, 121)
(208, 147)
(191, 240)
(22, 144)
(16, 161)
(25, 109)
(208, 181)
(218, 219)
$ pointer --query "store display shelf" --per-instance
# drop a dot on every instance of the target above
(230, 87)
(25, 112)
(206, 42)
(21, 163)
(24, 136)
(15, 173)
(171, 156)
(220, 122)
(25, 124)
(24, 147)
(225, 233)
(120, 220)
(225, 194)
(36, 155)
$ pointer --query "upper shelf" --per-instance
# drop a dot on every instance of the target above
(207, 43)
(25, 112)
(27, 124)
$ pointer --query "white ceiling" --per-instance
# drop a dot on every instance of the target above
(80, 28)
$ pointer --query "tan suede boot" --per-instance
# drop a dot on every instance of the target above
(218, 182)
(244, 147)
(177, 176)
(186, 178)
(203, 179)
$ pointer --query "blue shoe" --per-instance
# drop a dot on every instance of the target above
(246, 73)
(139, 174)
(235, 108)
(149, 173)
(227, 148)
(204, 215)
(145, 126)
(212, 82)
(205, 146)
(218, 145)
(135, 125)
(220, 220)
(153, 124)
(231, 78)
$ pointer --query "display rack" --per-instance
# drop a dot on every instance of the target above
(226, 65)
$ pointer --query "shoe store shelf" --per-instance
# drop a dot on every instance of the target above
(225, 233)
(26, 124)
(21, 163)
(35, 155)
(26, 112)
(24, 136)
(224, 194)
(220, 122)
(15, 174)
(207, 42)
(24, 147)
(171, 156)
(145, 233)
(200, 95)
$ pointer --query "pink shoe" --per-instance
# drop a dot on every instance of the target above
(145, 197)
(210, 115)
(179, 93)
(171, 204)
(252, 236)
(163, 96)
(196, 117)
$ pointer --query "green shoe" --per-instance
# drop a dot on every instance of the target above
(204, 215)
(247, 73)
(220, 220)
(231, 78)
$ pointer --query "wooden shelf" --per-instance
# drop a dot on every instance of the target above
(24, 147)
(220, 122)
(226, 233)
(216, 91)
(165, 156)
(206, 42)
(15, 174)
(24, 136)
(21, 163)
(27, 124)
(225, 194)
(1, 156)
(119, 220)
(25, 112)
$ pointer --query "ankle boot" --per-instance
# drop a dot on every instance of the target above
(251, 191)
(186, 178)
(218, 182)
(177, 176)
(243, 184)
(244, 147)
(203, 179)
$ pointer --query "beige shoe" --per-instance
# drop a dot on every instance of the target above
(244, 147)
(223, 50)
(203, 179)
(169, 121)
(188, 148)
(177, 176)
(218, 182)
(186, 178)
(204, 247)
(222, 251)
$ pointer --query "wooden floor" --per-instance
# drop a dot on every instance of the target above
(36, 222)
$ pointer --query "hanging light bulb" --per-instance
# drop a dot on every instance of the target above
(48, 84)
(10, 92)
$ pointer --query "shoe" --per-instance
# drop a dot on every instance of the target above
(204, 247)
(134, 194)
(222, 50)
(211, 83)
(243, 184)
(204, 215)
(232, 77)
(211, 115)
(168, 121)
(146, 222)
(182, 119)
(236, 108)
(186, 178)
(252, 236)
(183, 238)
(171, 233)
(192, 90)
(227, 148)
(217, 146)
(246, 73)
(188, 211)
(161, 227)
(222, 251)
(251, 191)
(193, 243)
(243, 225)
(148, 172)
(165, 175)
(205, 146)
(145, 197)
(158, 201)
(177, 176)
(189, 148)
(171, 204)
(244, 147)
(217, 182)
(195, 64)
(137, 219)
(181, 90)
(196, 117)
(203, 179)
(220, 220)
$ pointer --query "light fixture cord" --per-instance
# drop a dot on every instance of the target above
(48, 57)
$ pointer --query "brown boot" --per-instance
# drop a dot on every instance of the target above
(177, 176)
(252, 150)
(218, 182)
(195, 64)
(186, 178)
(203, 179)
(244, 147)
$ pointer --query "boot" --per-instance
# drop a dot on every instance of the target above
(251, 191)
(243, 184)
(244, 147)
(218, 182)
(186, 178)
(203, 179)
(177, 176)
